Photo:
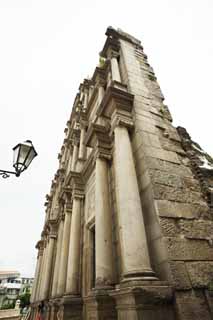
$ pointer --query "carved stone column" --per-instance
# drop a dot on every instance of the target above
(103, 226)
(73, 270)
(58, 257)
(42, 274)
(134, 249)
(49, 260)
(132, 235)
(115, 68)
(69, 157)
(74, 156)
(39, 246)
(64, 247)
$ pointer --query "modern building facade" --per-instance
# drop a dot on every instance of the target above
(128, 227)
(11, 286)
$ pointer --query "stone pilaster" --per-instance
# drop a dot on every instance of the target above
(115, 67)
(64, 247)
(82, 147)
(98, 138)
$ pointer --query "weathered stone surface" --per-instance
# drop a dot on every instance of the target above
(165, 178)
(180, 278)
(169, 227)
(177, 194)
(184, 249)
(200, 273)
(191, 184)
(161, 154)
(181, 210)
(145, 139)
(167, 166)
(191, 305)
(197, 229)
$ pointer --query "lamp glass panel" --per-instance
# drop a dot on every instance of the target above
(30, 157)
(23, 153)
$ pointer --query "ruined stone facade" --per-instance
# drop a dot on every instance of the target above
(128, 232)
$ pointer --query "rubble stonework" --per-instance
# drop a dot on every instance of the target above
(128, 226)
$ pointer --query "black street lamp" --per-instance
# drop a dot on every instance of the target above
(23, 154)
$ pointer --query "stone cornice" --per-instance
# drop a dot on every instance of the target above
(115, 99)
(96, 135)
(119, 34)
(111, 43)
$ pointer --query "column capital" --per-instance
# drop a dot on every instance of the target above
(122, 119)
(99, 139)
(53, 228)
(40, 247)
(113, 54)
(77, 184)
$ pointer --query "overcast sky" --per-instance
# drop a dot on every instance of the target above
(47, 47)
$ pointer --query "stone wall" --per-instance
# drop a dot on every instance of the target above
(174, 192)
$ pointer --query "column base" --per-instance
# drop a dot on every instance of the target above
(54, 308)
(71, 307)
(153, 301)
(99, 306)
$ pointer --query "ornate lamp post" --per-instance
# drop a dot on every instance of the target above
(23, 154)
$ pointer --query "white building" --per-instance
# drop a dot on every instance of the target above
(12, 285)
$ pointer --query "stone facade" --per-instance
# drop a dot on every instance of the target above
(128, 228)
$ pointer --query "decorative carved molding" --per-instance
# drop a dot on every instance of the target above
(115, 99)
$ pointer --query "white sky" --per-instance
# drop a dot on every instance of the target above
(46, 48)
